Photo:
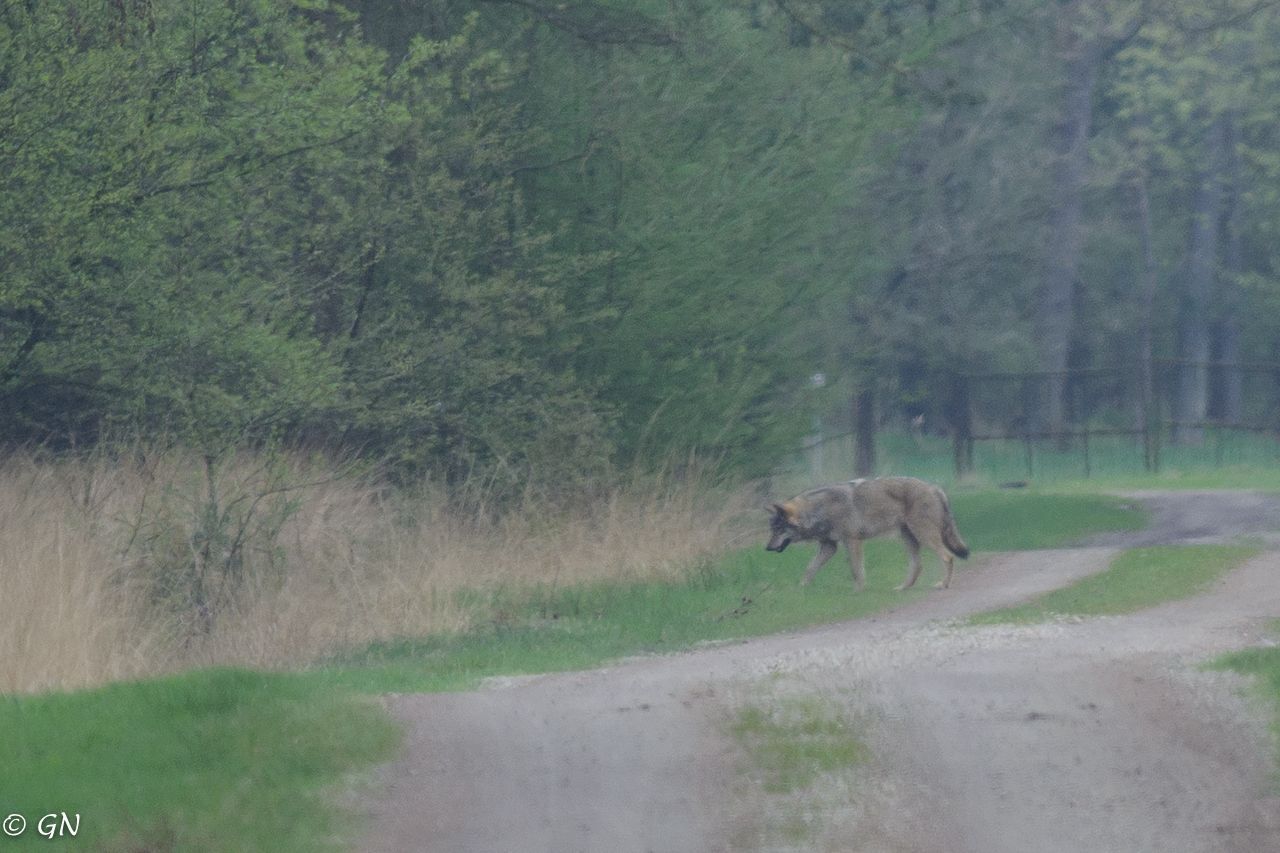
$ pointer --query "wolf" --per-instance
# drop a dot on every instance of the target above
(861, 509)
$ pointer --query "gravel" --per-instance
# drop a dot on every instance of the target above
(1100, 734)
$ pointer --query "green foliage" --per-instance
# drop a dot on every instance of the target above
(674, 168)
(232, 222)
(145, 280)
(527, 241)
(210, 760)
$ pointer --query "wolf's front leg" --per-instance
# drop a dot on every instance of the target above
(913, 558)
(854, 547)
(825, 549)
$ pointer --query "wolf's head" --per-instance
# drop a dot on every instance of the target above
(781, 527)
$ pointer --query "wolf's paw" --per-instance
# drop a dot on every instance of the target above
(940, 585)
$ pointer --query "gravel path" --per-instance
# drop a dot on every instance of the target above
(1099, 735)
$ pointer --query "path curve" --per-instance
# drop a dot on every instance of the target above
(1098, 735)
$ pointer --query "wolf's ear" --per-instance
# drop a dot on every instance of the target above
(779, 510)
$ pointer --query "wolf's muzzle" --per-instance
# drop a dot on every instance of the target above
(778, 547)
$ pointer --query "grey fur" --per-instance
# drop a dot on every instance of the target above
(862, 509)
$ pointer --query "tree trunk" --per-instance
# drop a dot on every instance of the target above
(1070, 135)
(1147, 420)
(1229, 352)
(1206, 212)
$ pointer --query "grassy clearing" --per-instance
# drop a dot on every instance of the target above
(1017, 520)
(1136, 579)
(210, 760)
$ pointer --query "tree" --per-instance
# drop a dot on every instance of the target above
(147, 151)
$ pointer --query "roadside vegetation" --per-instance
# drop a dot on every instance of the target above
(744, 592)
(153, 562)
(119, 569)
(1136, 579)
(211, 760)
(1263, 664)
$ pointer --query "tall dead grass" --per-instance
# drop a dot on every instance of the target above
(297, 561)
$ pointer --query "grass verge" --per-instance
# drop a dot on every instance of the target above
(211, 760)
(1019, 520)
(1263, 663)
(745, 594)
(1136, 579)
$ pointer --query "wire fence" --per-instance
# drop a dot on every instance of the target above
(1111, 420)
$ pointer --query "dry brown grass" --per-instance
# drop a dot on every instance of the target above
(97, 556)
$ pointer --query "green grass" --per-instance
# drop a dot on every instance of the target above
(792, 742)
(1020, 520)
(548, 630)
(1264, 665)
(746, 594)
(1262, 478)
(206, 761)
(1228, 459)
(1136, 579)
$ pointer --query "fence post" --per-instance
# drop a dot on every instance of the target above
(1148, 418)
(864, 420)
(1084, 438)
(1152, 432)
(961, 418)
(815, 451)
(817, 440)
(1028, 400)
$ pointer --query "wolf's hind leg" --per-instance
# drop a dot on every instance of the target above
(913, 554)
(854, 547)
(825, 549)
(948, 566)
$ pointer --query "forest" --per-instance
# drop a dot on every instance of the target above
(542, 240)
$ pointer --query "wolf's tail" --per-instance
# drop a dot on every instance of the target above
(950, 534)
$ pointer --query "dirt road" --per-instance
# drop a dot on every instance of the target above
(1098, 735)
